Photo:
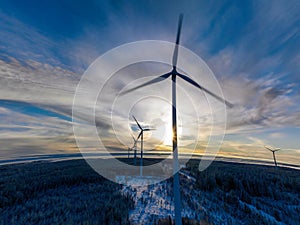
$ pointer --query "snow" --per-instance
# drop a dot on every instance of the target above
(150, 203)
(264, 214)
(156, 201)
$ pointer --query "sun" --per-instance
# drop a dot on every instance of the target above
(168, 135)
(168, 132)
(163, 131)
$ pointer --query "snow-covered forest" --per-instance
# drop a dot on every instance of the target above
(70, 192)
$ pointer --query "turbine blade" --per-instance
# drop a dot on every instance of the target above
(175, 54)
(149, 129)
(132, 137)
(137, 123)
(134, 141)
(189, 80)
(139, 135)
(269, 148)
(155, 80)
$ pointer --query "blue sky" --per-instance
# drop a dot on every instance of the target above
(251, 46)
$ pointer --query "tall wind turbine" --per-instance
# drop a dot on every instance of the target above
(141, 135)
(174, 74)
(273, 151)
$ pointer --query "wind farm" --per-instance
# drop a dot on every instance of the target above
(149, 112)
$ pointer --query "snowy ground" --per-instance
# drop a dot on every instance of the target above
(151, 202)
(156, 201)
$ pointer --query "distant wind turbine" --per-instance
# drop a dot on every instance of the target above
(141, 135)
(174, 74)
(134, 149)
(131, 148)
(273, 151)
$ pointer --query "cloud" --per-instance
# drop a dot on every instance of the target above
(24, 41)
(277, 135)
(258, 102)
(24, 134)
(252, 48)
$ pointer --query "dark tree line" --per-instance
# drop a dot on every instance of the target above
(67, 192)
(252, 193)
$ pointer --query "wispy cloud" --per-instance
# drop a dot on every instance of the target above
(251, 47)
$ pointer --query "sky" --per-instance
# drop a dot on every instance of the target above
(250, 46)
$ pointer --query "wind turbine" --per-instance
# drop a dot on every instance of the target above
(174, 74)
(273, 151)
(141, 135)
(134, 149)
